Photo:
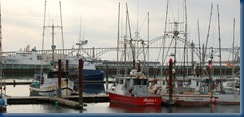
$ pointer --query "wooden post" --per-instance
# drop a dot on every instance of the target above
(59, 77)
(67, 81)
(81, 62)
(106, 76)
(67, 66)
(170, 80)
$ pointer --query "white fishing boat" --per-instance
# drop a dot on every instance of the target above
(184, 92)
(48, 84)
(227, 91)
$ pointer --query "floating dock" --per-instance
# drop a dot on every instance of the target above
(70, 101)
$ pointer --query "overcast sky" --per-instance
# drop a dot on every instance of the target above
(22, 21)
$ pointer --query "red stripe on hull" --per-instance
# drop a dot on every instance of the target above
(135, 100)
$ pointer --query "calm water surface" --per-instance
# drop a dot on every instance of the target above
(23, 90)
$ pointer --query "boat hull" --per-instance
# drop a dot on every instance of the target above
(51, 89)
(97, 75)
(226, 98)
(188, 100)
(132, 100)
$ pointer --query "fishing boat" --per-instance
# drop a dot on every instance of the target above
(227, 91)
(47, 85)
(185, 93)
(133, 90)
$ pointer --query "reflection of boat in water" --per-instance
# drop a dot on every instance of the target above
(93, 88)
(121, 108)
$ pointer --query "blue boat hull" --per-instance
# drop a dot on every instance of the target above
(97, 75)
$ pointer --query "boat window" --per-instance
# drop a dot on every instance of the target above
(119, 81)
(137, 81)
(144, 82)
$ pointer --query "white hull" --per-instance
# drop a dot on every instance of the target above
(188, 99)
(50, 89)
(227, 98)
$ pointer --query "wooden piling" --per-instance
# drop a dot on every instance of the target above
(170, 80)
(59, 77)
(106, 76)
(81, 62)
(67, 70)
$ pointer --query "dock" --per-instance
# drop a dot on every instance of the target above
(69, 101)
(29, 82)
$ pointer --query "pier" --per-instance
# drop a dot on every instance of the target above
(69, 101)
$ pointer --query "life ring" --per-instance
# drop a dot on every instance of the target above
(51, 94)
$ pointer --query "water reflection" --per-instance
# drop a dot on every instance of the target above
(122, 108)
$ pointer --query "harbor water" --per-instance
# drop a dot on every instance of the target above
(105, 107)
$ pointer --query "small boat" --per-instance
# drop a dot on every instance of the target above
(133, 90)
(47, 85)
(230, 92)
(3, 102)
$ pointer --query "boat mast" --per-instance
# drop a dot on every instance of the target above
(220, 72)
(207, 35)
(165, 27)
(233, 51)
(43, 34)
(131, 40)
(61, 21)
(185, 42)
(199, 50)
(117, 71)
(53, 47)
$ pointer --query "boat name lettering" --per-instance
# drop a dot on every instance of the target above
(149, 100)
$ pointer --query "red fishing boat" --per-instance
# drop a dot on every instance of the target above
(133, 90)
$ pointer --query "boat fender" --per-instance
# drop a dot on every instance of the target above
(213, 100)
(51, 94)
